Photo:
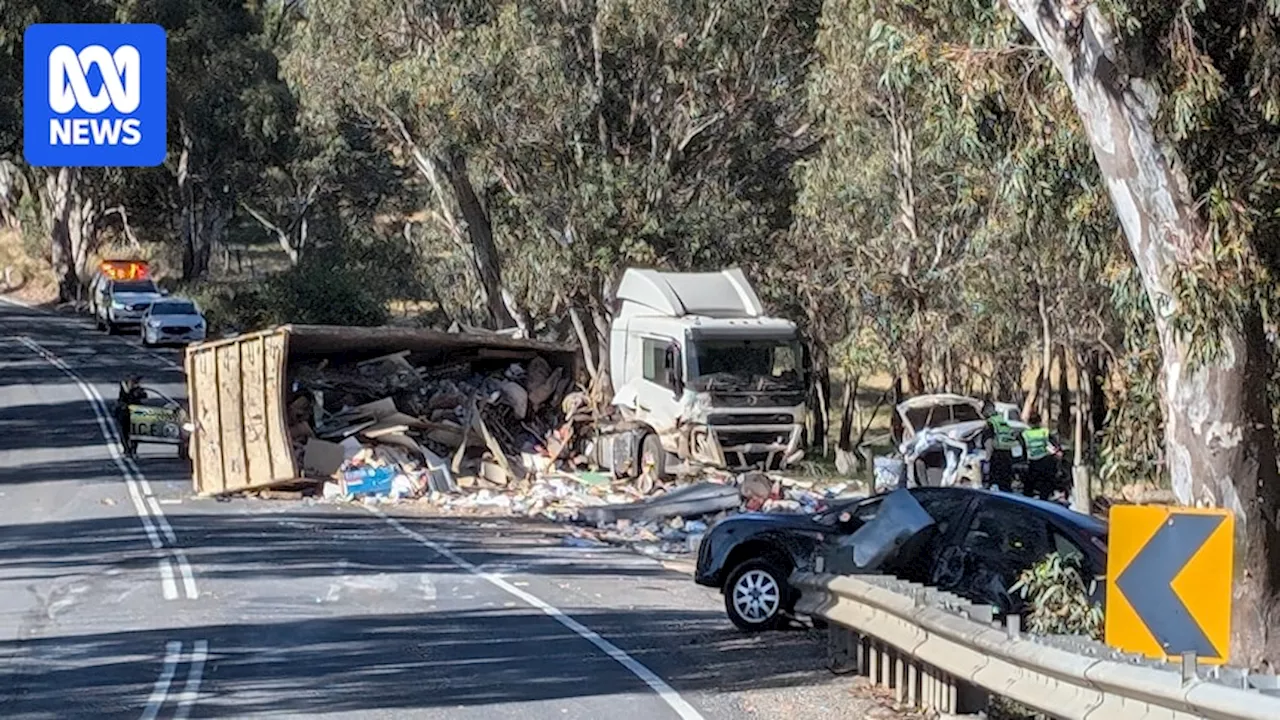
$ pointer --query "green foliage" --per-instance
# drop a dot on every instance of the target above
(1059, 598)
(667, 140)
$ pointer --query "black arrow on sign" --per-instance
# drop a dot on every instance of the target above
(1147, 583)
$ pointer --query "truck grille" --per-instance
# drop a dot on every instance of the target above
(749, 419)
(735, 438)
(764, 400)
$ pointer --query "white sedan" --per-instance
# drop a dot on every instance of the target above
(172, 320)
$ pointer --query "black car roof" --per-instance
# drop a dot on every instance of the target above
(1078, 521)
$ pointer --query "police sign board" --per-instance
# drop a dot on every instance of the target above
(1169, 579)
(94, 95)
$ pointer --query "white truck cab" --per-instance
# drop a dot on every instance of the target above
(697, 365)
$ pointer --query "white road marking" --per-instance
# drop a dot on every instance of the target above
(139, 489)
(108, 433)
(172, 651)
(160, 518)
(195, 673)
(166, 579)
(188, 579)
(649, 677)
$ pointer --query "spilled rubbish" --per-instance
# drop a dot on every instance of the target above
(386, 427)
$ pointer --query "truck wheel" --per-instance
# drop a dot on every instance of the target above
(653, 455)
(755, 595)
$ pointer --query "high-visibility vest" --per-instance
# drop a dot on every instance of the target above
(1037, 442)
(1005, 439)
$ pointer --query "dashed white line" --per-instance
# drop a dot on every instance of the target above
(195, 674)
(145, 504)
(167, 579)
(172, 653)
(667, 693)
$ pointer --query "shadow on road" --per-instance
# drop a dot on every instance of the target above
(424, 660)
(286, 542)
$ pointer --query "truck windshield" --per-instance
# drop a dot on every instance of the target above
(744, 364)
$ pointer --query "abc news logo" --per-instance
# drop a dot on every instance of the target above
(69, 89)
(94, 95)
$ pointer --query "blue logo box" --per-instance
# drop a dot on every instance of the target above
(94, 95)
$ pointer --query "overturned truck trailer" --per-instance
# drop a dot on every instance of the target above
(239, 389)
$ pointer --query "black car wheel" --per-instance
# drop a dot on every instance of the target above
(755, 595)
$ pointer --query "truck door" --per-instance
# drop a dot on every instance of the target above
(657, 399)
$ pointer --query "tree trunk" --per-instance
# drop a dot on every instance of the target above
(1006, 380)
(895, 421)
(1080, 470)
(196, 247)
(1064, 394)
(1218, 435)
(1029, 402)
(915, 370)
(818, 395)
(1044, 388)
(56, 202)
(1097, 392)
(846, 413)
(484, 250)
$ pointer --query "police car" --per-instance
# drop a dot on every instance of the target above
(161, 420)
(121, 292)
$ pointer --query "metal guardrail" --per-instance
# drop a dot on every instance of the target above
(942, 653)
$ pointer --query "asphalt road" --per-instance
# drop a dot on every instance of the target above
(121, 595)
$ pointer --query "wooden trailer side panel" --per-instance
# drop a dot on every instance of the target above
(236, 389)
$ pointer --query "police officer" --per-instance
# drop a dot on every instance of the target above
(1042, 457)
(1002, 442)
(131, 393)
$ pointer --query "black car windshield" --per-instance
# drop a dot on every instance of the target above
(173, 308)
(134, 286)
(744, 364)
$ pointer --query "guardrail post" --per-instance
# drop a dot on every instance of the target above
(928, 686)
(1188, 667)
(899, 677)
(913, 683)
(844, 650)
(873, 664)
(1013, 625)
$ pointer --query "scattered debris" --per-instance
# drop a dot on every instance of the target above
(385, 427)
(493, 433)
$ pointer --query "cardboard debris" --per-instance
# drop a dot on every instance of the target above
(322, 458)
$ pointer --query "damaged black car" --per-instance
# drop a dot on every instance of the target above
(974, 543)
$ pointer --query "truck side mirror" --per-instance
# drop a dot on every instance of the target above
(675, 379)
